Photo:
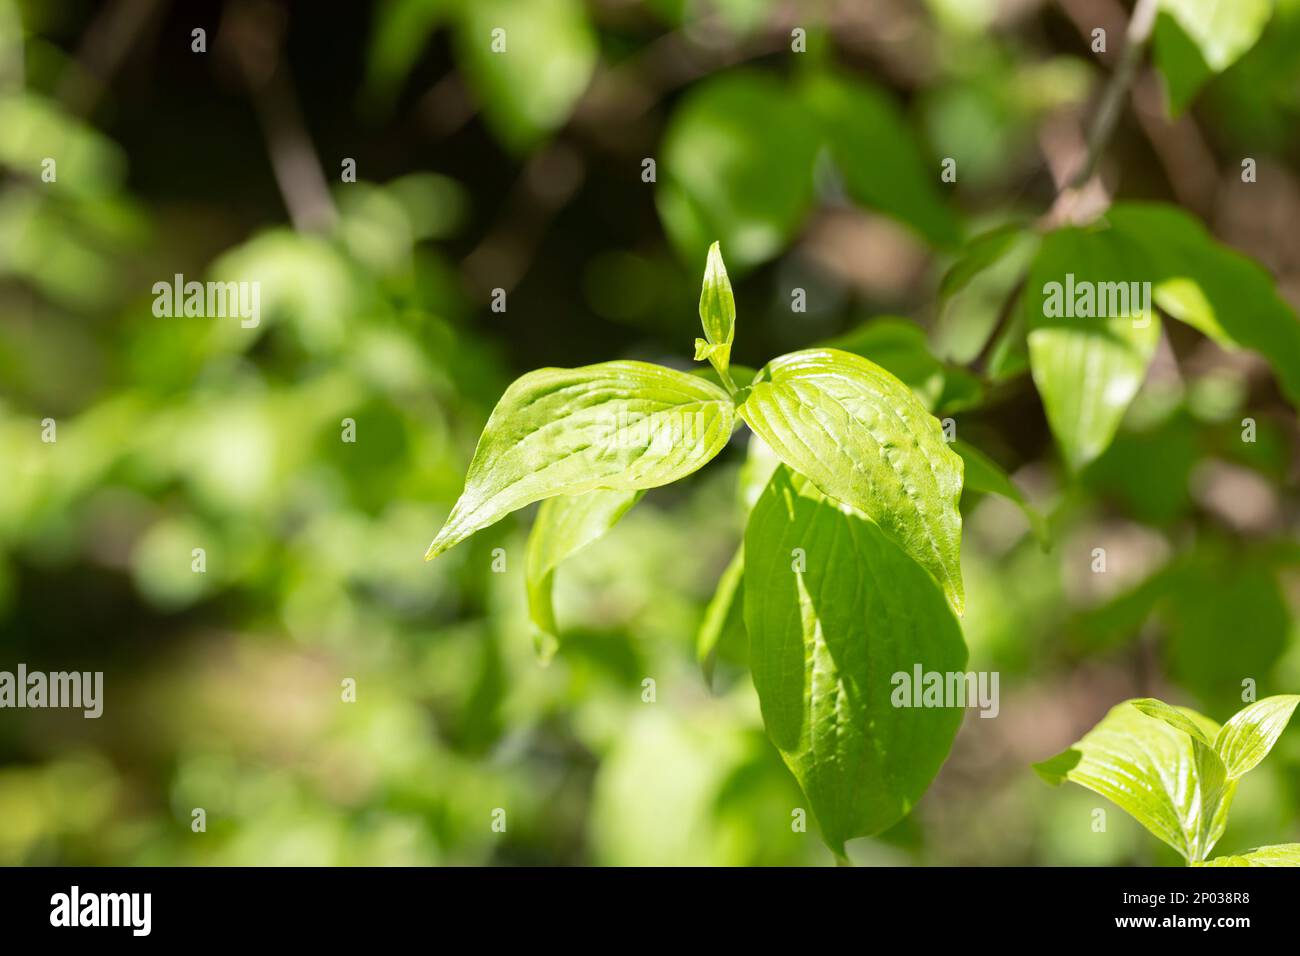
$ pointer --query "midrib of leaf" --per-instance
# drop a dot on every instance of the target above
(531, 441)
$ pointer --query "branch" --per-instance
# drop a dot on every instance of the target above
(1136, 38)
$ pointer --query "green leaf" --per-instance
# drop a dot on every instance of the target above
(717, 314)
(1228, 296)
(565, 431)
(863, 438)
(1247, 738)
(876, 152)
(899, 346)
(736, 166)
(565, 524)
(1087, 367)
(1195, 39)
(723, 628)
(756, 472)
(1164, 777)
(1174, 718)
(984, 475)
(1283, 854)
(978, 287)
(528, 90)
(834, 610)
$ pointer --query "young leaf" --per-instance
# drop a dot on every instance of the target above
(983, 474)
(717, 315)
(834, 610)
(863, 438)
(1247, 738)
(1087, 367)
(565, 524)
(564, 431)
(1164, 777)
(1283, 854)
(724, 619)
(1174, 718)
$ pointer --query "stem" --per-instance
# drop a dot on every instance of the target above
(724, 373)
(1136, 38)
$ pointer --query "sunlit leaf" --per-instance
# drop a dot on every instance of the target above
(1171, 782)
(1087, 367)
(1283, 854)
(617, 425)
(863, 438)
(1250, 734)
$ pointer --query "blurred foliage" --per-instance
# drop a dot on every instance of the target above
(523, 170)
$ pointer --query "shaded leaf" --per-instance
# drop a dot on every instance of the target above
(877, 154)
(723, 627)
(565, 524)
(1195, 39)
(550, 52)
(736, 167)
(1226, 295)
(985, 475)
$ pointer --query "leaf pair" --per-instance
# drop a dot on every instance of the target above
(856, 431)
(1174, 770)
(850, 569)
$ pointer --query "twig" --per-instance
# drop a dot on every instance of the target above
(251, 36)
(1136, 38)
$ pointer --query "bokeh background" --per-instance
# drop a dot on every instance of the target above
(524, 172)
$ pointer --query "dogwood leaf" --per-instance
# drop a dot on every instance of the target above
(565, 524)
(862, 437)
(1250, 734)
(834, 610)
(622, 425)
(1283, 854)
(1167, 779)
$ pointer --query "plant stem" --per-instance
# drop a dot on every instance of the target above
(1136, 38)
